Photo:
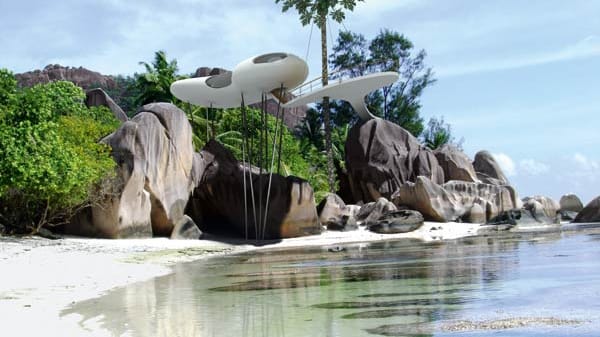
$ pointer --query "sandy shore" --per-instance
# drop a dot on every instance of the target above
(40, 277)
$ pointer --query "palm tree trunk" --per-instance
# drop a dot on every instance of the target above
(325, 81)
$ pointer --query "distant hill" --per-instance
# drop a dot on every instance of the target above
(85, 78)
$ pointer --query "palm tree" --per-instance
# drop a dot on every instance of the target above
(317, 12)
(154, 85)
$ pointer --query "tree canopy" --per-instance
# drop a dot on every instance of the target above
(50, 158)
(353, 56)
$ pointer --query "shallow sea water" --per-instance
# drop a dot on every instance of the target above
(394, 288)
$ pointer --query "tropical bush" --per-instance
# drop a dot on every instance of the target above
(50, 158)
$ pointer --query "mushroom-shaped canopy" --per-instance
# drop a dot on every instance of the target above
(251, 78)
(352, 90)
(269, 72)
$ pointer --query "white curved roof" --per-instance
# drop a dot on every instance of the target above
(353, 91)
(252, 78)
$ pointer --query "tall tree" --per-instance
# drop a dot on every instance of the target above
(317, 12)
(154, 85)
(389, 51)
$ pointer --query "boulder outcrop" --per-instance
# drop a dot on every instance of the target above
(381, 156)
(217, 203)
(54, 72)
(488, 170)
(454, 200)
(571, 203)
(335, 215)
(154, 157)
(98, 97)
(400, 221)
(543, 208)
(590, 213)
(456, 164)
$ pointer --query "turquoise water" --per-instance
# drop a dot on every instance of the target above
(395, 288)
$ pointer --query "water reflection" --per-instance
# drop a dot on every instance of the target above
(397, 288)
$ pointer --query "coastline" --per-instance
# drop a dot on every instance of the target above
(41, 277)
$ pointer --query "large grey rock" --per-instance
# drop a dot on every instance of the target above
(590, 213)
(381, 156)
(401, 221)
(371, 212)
(154, 156)
(456, 164)
(488, 170)
(98, 97)
(186, 229)
(571, 203)
(217, 203)
(543, 208)
(335, 215)
(454, 200)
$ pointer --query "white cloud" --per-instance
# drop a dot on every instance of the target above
(533, 167)
(506, 164)
(587, 47)
(585, 164)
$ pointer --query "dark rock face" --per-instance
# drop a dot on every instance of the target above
(401, 221)
(217, 203)
(570, 203)
(488, 170)
(53, 72)
(454, 200)
(98, 97)
(456, 164)
(590, 213)
(335, 215)
(381, 156)
(154, 156)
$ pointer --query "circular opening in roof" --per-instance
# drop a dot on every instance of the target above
(219, 81)
(269, 58)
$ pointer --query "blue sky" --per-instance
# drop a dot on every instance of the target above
(520, 79)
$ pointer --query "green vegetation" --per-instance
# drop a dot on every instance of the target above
(438, 133)
(354, 56)
(317, 12)
(154, 85)
(50, 158)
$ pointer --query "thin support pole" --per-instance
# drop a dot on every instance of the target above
(249, 147)
(207, 121)
(280, 141)
(272, 164)
(244, 137)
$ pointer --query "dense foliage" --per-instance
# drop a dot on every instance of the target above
(50, 158)
(155, 84)
(438, 133)
(354, 56)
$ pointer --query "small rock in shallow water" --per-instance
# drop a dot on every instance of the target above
(402, 221)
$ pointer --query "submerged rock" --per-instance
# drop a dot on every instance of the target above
(154, 155)
(381, 156)
(217, 204)
(590, 213)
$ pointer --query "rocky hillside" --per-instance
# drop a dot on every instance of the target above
(82, 77)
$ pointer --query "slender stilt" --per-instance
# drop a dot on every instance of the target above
(248, 145)
(272, 165)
